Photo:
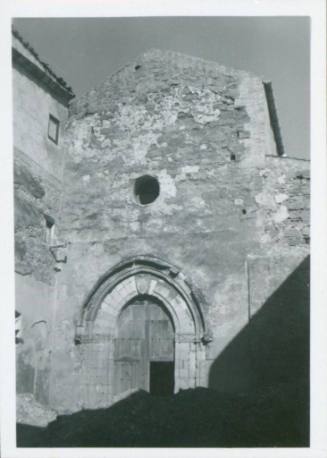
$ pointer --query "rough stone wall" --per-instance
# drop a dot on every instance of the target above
(37, 195)
(225, 209)
(231, 215)
(285, 202)
(38, 165)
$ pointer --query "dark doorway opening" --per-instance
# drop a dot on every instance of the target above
(162, 378)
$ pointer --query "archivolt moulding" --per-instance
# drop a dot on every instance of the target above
(142, 276)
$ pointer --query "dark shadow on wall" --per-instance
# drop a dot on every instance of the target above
(269, 361)
(258, 393)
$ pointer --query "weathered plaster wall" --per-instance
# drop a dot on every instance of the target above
(224, 209)
(37, 194)
(34, 299)
(38, 165)
(32, 106)
(231, 215)
(281, 209)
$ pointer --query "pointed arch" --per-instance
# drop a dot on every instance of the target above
(96, 332)
(136, 276)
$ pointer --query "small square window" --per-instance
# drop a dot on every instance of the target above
(53, 129)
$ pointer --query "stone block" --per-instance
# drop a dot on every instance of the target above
(31, 412)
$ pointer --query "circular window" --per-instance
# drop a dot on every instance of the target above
(146, 189)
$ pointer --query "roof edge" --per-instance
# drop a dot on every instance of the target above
(41, 73)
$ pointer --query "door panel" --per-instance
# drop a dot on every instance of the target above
(127, 376)
(129, 349)
(145, 334)
(161, 341)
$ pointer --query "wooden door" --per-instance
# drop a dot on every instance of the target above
(145, 334)
(161, 335)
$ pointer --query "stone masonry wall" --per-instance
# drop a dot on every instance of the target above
(225, 208)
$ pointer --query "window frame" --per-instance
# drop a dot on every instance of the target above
(56, 122)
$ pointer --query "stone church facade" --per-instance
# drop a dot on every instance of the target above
(157, 217)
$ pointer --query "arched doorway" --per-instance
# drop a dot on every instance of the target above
(141, 321)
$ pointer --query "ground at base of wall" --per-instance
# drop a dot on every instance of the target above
(192, 418)
(31, 412)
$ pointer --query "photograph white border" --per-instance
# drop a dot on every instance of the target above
(318, 319)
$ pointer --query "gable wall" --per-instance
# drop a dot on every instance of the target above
(218, 219)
